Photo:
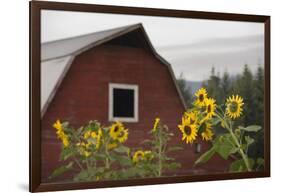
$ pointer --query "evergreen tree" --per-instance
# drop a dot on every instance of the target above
(259, 95)
(225, 85)
(257, 149)
(244, 87)
(185, 90)
(251, 88)
(213, 86)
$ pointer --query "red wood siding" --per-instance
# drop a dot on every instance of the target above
(83, 96)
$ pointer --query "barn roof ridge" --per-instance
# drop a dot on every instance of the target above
(74, 45)
(64, 60)
(91, 33)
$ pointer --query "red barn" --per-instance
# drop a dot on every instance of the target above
(106, 76)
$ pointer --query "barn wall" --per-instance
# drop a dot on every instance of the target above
(83, 96)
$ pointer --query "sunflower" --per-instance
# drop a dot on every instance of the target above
(57, 125)
(60, 133)
(234, 106)
(210, 107)
(192, 116)
(95, 137)
(115, 130)
(148, 155)
(87, 134)
(201, 95)
(156, 123)
(99, 136)
(207, 133)
(123, 136)
(87, 153)
(138, 156)
(188, 130)
(83, 149)
(65, 141)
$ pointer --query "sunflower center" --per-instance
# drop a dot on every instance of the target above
(201, 97)
(139, 156)
(209, 109)
(187, 130)
(116, 129)
(121, 134)
(204, 127)
(233, 106)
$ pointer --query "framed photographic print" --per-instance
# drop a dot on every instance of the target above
(123, 96)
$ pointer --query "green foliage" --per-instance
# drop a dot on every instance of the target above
(206, 156)
(250, 86)
(252, 128)
(97, 153)
(224, 145)
(239, 165)
(235, 143)
(185, 90)
(93, 151)
(159, 146)
(61, 170)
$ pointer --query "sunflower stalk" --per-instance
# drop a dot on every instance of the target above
(236, 140)
(244, 156)
(206, 114)
(160, 153)
(78, 163)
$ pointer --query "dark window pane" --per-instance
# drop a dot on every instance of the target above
(123, 102)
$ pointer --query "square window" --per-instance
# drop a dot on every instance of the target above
(123, 102)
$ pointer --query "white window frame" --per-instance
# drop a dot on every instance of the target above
(136, 102)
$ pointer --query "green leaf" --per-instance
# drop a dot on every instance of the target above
(224, 146)
(122, 149)
(249, 140)
(241, 127)
(174, 148)
(215, 121)
(122, 160)
(82, 176)
(239, 165)
(260, 161)
(206, 156)
(147, 141)
(100, 156)
(172, 166)
(79, 130)
(238, 133)
(166, 158)
(251, 128)
(132, 172)
(59, 171)
(66, 153)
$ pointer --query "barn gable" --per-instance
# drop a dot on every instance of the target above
(83, 78)
(57, 56)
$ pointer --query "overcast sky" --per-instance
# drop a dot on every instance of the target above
(192, 46)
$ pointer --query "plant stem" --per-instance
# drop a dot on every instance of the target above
(87, 164)
(107, 155)
(78, 163)
(160, 153)
(241, 152)
(244, 156)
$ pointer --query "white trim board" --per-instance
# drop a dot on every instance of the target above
(136, 102)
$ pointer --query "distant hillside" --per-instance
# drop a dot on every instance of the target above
(194, 85)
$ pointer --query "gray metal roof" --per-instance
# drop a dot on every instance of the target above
(57, 57)
(69, 46)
